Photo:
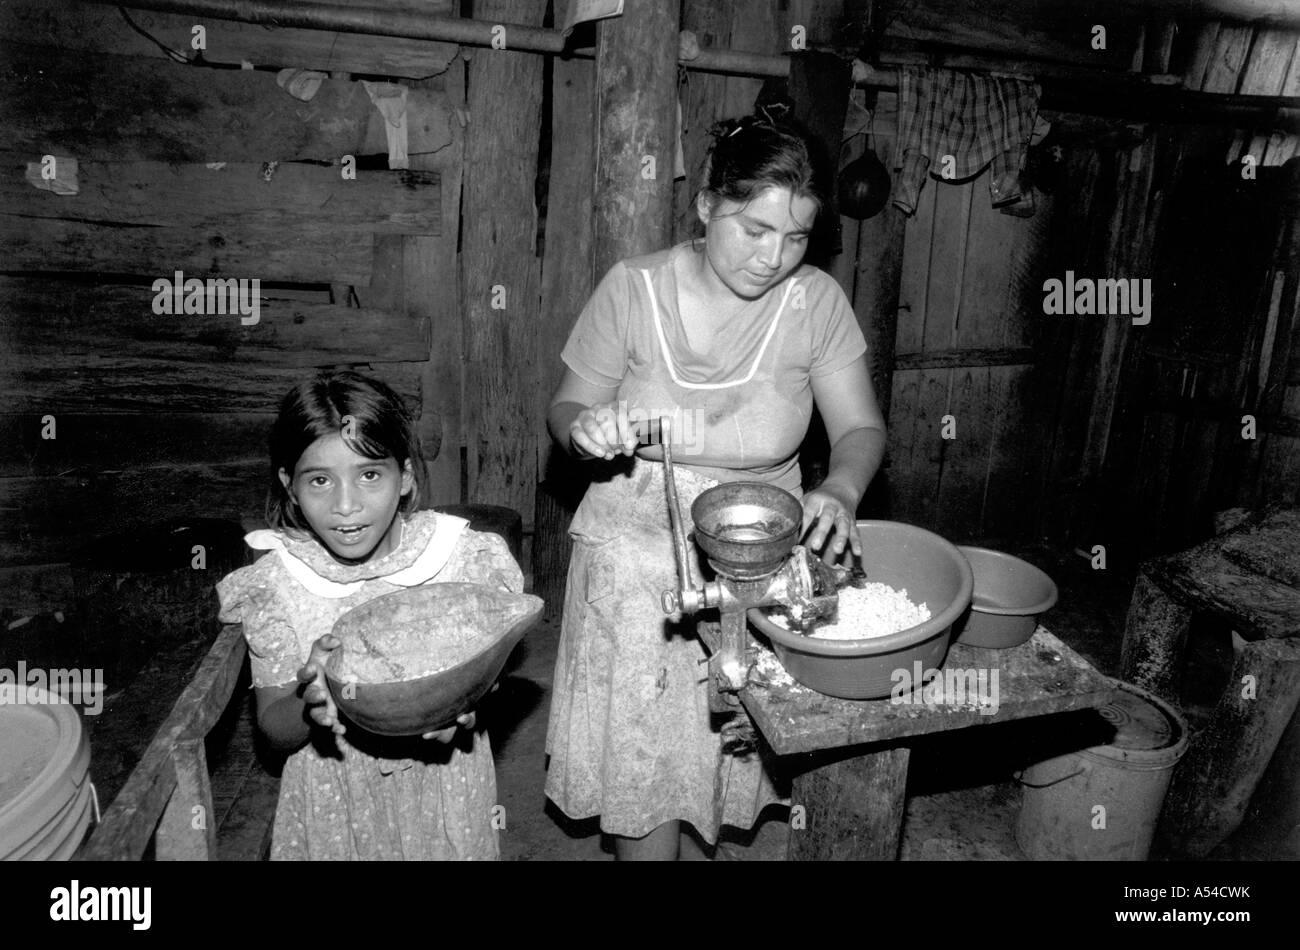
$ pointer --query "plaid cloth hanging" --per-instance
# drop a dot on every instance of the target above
(974, 118)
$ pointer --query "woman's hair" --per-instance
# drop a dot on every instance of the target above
(380, 428)
(764, 150)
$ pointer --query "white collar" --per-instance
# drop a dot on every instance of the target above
(446, 533)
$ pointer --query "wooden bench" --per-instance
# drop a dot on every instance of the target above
(168, 796)
(1244, 579)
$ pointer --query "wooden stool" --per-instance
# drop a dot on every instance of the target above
(1229, 578)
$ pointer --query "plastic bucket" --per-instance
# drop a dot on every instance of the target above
(46, 799)
(1102, 803)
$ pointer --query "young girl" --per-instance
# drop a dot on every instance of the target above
(344, 529)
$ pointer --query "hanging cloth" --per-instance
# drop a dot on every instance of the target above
(976, 119)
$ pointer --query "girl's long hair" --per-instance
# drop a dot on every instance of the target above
(381, 428)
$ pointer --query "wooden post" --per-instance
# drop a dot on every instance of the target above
(636, 99)
(566, 285)
(1214, 782)
(430, 292)
(1155, 633)
(188, 828)
(852, 808)
(500, 273)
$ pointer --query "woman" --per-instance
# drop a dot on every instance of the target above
(734, 341)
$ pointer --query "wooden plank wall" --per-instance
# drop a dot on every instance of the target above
(162, 416)
(969, 305)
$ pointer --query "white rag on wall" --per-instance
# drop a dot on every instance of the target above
(390, 99)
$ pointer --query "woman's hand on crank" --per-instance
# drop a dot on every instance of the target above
(463, 721)
(316, 694)
(831, 513)
(603, 432)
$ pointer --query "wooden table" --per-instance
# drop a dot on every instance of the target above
(850, 757)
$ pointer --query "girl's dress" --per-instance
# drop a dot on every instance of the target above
(361, 796)
(631, 736)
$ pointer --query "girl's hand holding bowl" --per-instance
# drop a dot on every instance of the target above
(320, 704)
(463, 721)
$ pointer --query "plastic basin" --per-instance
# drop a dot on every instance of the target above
(932, 571)
(1010, 595)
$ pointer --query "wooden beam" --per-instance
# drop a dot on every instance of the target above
(302, 200)
(120, 108)
(47, 244)
(97, 28)
(45, 322)
(79, 381)
(966, 357)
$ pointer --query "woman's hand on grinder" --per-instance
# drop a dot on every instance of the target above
(831, 514)
(316, 692)
(602, 431)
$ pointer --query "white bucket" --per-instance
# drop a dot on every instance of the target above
(1102, 804)
(46, 798)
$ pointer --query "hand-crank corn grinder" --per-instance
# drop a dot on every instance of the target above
(748, 531)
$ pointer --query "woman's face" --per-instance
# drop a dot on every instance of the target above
(349, 500)
(752, 246)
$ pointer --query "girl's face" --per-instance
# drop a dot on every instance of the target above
(751, 247)
(349, 500)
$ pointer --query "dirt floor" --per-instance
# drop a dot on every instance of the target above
(963, 801)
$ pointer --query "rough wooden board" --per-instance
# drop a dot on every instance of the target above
(120, 734)
(200, 699)
(1040, 677)
(915, 279)
(298, 199)
(930, 453)
(877, 285)
(46, 322)
(120, 108)
(1225, 759)
(1204, 578)
(1271, 547)
(1014, 28)
(1223, 74)
(853, 808)
(903, 423)
(245, 835)
(49, 518)
(98, 28)
(31, 589)
(1270, 57)
(92, 442)
(960, 494)
(1011, 495)
(36, 244)
(82, 382)
(946, 271)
